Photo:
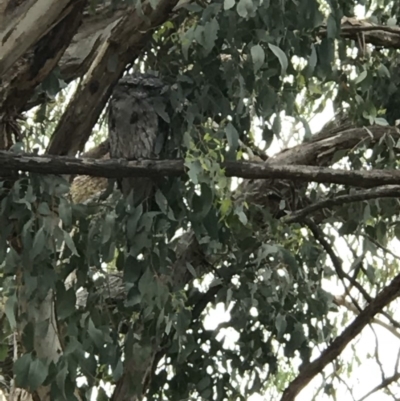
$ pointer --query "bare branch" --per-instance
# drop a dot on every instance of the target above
(341, 301)
(390, 191)
(386, 382)
(319, 236)
(387, 295)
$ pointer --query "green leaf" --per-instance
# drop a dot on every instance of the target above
(66, 303)
(210, 35)
(258, 56)
(51, 84)
(108, 227)
(65, 212)
(70, 243)
(60, 378)
(10, 309)
(38, 243)
(202, 203)
(30, 373)
(232, 136)
(229, 294)
(146, 283)
(44, 209)
(101, 394)
(161, 201)
(38, 372)
(204, 383)
(242, 217)
(191, 269)
(21, 371)
(312, 62)
(228, 4)
(281, 57)
(361, 77)
(245, 8)
(383, 71)
(195, 170)
(184, 319)
(331, 27)
(381, 121)
(280, 324)
(133, 221)
(95, 334)
(154, 4)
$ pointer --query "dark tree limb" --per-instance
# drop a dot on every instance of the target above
(387, 295)
(19, 82)
(390, 191)
(385, 383)
(21, 29)
(337, 264)
(112, 168)
(124, 44)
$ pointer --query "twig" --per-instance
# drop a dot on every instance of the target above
(319, 236)
(386, 382)
(389, 191)
(387, 295)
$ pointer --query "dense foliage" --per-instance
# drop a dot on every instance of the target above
(240, 73)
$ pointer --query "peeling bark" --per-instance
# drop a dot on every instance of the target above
(123, 45)
(17, 85)
(21, 29)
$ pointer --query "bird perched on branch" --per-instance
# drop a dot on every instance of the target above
(136, 130)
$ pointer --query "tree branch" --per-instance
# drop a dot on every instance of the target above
(377, 35)
(320, 237)
(387, 295)
(113, 168)
(390, 191)
(385, 383)
(22, 29)
(123, 45)
(19, 82)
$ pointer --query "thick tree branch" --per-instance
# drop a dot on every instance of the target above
(387, 295)
(377, 35)
(112, 168)
(124, 44)
(19, 82)
(21, 29)
(79, 54)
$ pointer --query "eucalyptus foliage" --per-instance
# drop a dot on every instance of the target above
(235, 68)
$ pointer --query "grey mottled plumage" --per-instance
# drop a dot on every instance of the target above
(134, 127)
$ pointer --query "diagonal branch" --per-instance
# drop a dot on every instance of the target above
(21, 29)
(19, 82)
(124, 44)
(390, 191)
(385, 383)
(319, 236)
(387, 295)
